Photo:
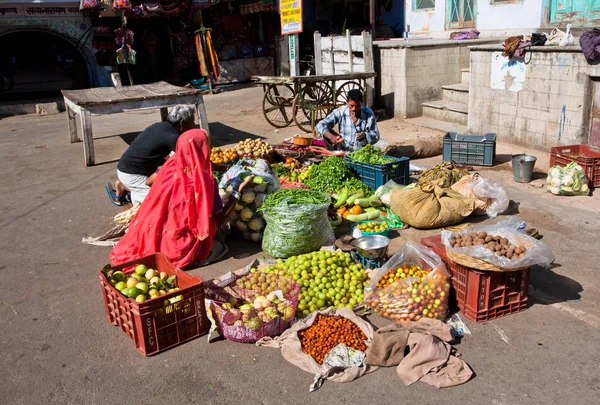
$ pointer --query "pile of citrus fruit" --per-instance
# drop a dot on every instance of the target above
(223, 156)
(373, 226)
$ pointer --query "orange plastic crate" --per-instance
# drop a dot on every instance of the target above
(484, 295)
(583, 155)
(152, 325)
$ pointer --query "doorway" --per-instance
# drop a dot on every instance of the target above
(461, 13)
(595, 118)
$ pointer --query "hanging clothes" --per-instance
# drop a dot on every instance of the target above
(207, 56)
(123, 36)
(511, 44)
(590, 44)
(125, 54)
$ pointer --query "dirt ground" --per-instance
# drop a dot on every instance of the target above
(58, 346)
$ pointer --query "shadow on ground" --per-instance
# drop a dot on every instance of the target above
(222, 134)
(551, 288)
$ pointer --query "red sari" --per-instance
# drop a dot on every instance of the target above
(175, 218)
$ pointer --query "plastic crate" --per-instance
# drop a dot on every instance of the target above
(479, 150)
(583, 155)
(376, 175)
(484, 295)
(152, 325)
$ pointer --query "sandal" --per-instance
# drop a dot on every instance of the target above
(114, 198)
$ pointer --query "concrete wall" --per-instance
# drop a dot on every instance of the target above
(553, 108)
(492, 19)
(408, 75)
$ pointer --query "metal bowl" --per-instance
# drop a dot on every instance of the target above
(372, 246)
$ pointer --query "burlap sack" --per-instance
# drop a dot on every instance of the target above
(415, 148)
(426, 206)
(291, 349)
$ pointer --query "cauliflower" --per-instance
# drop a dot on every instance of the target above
(246, 214)
(555, 182)
(255, 236)
(585, 188)
(567, 180)
(260, 188)
(248, 196)
(256, 224)
(241, 226)
(554, 190)
(259, 199)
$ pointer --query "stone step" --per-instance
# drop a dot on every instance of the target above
(465, 75)
(459, 93)
(443, 126)
(447, 111)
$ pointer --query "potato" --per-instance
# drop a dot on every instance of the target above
(523, 249)
(481, 235)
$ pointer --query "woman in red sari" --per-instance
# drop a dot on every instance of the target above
(180, 215)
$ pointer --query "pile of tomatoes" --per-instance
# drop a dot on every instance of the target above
(402, 273)
(329, 331)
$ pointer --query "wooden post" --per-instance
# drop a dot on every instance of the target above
(369, 66)
(294, 56)
(201, 113)
(372, 16)
(332, 53)
(72, 122)
(349, 39)
(318, 55)
(164, 112)
(88, 137)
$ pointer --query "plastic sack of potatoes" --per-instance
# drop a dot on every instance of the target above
(502, 246)
(491, 197)
(412, 298)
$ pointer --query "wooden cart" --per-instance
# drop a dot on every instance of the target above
(306, 100)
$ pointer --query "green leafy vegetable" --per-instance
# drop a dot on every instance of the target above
(295, 196)
(370, 154)
(329, 176)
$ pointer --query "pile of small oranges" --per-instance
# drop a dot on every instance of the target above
(223, 156)
(329, 331)
(401, 274)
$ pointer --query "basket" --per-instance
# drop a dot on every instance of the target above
(583, 155)
(475, 263)
(285, 151)
(376, 175)
(479, 150)
(483, 296)
(383, 233)
(302, 140)
(153, 326)
(244, 334)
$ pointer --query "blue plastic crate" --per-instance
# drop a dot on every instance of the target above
(376, 175)
(479, 150)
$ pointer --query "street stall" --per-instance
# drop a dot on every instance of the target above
(326, 225)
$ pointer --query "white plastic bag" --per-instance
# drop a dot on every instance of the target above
(568, 180)
(537, 253)
(384, 193)
(492, 198)
(568, 39)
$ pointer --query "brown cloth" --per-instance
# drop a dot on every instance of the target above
(430, 358)
(511, 44)
(415, 148)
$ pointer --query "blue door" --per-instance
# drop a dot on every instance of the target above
(578, 12)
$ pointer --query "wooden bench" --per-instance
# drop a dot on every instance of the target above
(111, 100)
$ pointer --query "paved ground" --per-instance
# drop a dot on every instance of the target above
(58, 346)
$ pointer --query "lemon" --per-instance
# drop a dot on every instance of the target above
(143, 287)
(140, 298)
(150, 274)
(132, 282)
(121, 285)
(119, 276)
(141, 269)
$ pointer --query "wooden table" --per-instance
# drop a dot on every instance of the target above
(111, 100)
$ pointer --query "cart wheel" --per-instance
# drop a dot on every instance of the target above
(341, 95)
(277, 105)
(314, 99)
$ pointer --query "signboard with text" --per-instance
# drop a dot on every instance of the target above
(26, 10)
(291, 16)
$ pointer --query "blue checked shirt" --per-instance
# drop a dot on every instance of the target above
(366, 123)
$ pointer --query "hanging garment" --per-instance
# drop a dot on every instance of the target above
(568, 39)
(214, 59)
(126, 55)
(472, 34)
(121, 4)
(90, 5)
(123, 36)
(176, 218)
(520, 52)
(555, 37)
(590, 44)
(201, 55)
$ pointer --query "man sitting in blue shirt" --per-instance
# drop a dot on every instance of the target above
(357, 125)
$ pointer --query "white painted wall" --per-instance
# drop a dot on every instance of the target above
(493, 19)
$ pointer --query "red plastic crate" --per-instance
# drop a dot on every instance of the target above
(583, 155)
(152, 325)
(484, 295)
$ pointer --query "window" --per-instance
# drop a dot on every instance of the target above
(424, 4)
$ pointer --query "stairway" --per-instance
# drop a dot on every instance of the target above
(454, 106)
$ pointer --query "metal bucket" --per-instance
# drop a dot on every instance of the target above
(523, 167)
(372, 246)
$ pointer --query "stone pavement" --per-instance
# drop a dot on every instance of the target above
(58, 346)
